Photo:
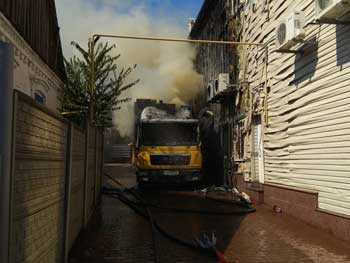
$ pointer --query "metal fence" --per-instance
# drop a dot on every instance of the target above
(121, 153)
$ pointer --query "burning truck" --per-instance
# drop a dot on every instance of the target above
(167, 144)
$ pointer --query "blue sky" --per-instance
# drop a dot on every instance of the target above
(185, 8)
(79, 19)
(179, 9)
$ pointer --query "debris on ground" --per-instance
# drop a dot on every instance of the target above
(277, 209)
(244, 197)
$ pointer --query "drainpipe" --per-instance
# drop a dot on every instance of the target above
(232, 7)
(6, 102)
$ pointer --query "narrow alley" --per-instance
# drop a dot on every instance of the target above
(174, 131)
(120, 235)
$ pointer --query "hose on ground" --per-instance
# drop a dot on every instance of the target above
(183, 210)
(148, 216)
(135, 206)
(165, 233)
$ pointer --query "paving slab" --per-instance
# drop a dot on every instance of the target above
(118, 234)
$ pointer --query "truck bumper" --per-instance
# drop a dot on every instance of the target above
(169, 176)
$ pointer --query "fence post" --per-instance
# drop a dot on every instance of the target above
(86, 175)
(68, 187)
(6, 143)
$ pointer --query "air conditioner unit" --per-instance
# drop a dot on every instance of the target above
(290, 31)
(222, 83)
(331, 9)
(210, 91)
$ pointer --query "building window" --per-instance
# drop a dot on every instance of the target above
(39, 97)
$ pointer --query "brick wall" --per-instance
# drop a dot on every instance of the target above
(51, 185)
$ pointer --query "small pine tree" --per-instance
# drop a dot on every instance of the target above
(109, 85)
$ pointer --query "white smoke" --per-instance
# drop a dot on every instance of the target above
(165, 70)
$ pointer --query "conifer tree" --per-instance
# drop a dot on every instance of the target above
(110, 83)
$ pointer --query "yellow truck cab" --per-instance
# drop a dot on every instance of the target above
(167, 148)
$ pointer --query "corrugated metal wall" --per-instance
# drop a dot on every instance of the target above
(121, 153)
(307, 142)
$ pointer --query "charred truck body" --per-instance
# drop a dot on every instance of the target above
(167, 144)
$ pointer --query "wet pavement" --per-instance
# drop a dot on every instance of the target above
(118, 234)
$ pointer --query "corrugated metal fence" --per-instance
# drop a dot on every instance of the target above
(121, 153)
(56, 180)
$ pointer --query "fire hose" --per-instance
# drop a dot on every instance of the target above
(206, 242)
(182, 210)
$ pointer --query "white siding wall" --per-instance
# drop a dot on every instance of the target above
(307, 143)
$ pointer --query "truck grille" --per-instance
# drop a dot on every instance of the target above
(170, 159)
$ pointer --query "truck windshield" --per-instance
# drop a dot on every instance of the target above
(169, 134)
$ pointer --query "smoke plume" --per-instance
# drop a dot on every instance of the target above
(166, 70)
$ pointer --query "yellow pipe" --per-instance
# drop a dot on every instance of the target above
(266, 91)
(183, 40)
(70, 113)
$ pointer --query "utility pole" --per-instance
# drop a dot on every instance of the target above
(6, 139)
